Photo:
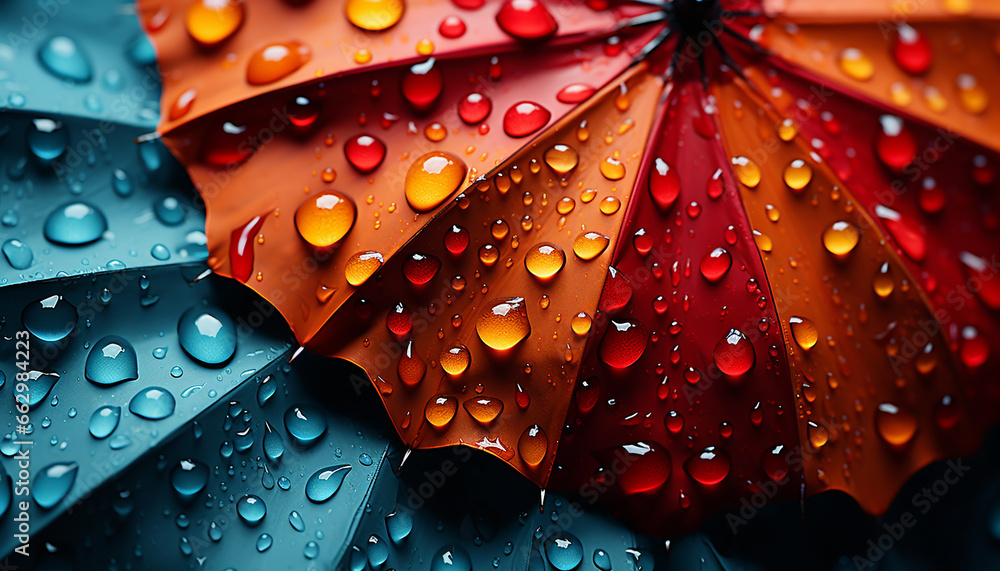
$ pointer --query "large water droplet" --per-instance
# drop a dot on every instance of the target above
(746, 171)
(251, 509)
(648, 464)
(709, 467)
(734, 354)
(840, 238)
(562, 158)
(361, 266)
(484, 409)
(63, 58)
(324, 219)
(563, 550)
(189, 477)
(210, 22)
(274, 446)
(911, 50)
(588, 245)
(104, 421)
(275, 61)
(419, 269)
(50, 319)
(623, 343)
(18, 254)
(533, 445)
(422, 84)
(323, 484)
(53, 482)
(455, 360)
(154, 403)
(526, 20)
(75, 224)
(364, 152)
(664, 184)
(112, 360)
(398, 524)
(715, 264)
(544, 260)
(440, 410)
(804, 332)
(305, 423)
(431, 179)
(895, 425)
(451, 558)
(207, 334)
(374, 15)
(524, 118)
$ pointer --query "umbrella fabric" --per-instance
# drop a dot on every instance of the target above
(748, 256)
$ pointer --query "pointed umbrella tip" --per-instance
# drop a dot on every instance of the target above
(147, 137)
(296, 354)
(405, 456)
(541, 505)
(201, 276)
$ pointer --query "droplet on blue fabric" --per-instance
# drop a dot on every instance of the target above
(48, 139)
(112, 360)
(563, 550)
(251, 509)
(75, 224)
(305, 424)
(153, 403)
(18, 254)
(104, 421)
(451, 558)
(52, 483)
(323, 484)
(189, 477)
(62, 57)
(398, 524)
(207, 334)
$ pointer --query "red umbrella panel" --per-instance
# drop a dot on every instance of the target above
(668, 255)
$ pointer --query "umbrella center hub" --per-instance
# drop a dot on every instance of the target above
(695, 17)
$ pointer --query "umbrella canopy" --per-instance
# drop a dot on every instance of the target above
(722, 246)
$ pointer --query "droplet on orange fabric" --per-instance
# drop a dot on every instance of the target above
(431, 179)
(524, 118)
(211, 22)
(324, 219)
(275, 61)
(241, 248)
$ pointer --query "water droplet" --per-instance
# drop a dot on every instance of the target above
(840, 238)
(533, 445)
(715, 264)
(53, 482)
(422, 84)
(474, 108)
(562, 158)
(50, 319)
(374, 15)
(322, 485)
(251, 509)
(649, 465)
(544, 260)
(797, 174)
(189, 477)
(911, 50)
(440, 410)
(364, 152)
(664, 184)
(746, 171)
(575, 93)
(524, 118)
(856, 65)
(182, 105)
(483, 408)
(709, 467)
(411, 368)
(612, 169)
(399, 320)
(895, 145)
(361, 266)
(63, 58)
(451, 558)
(111, 360)
(971, 94)
(563, 550)
(502, 324)
(104, 421)
(210, 22)
(207, 334)
(775, 462)
(734, 354)
(169, 211)
(804, 332)
(589, 245)
(602, 560)
(378, 551)
(452, 27)
(894, 424)
(623, 343)
(305, 423)
(274, 446)
(153, 403)
(456, 239)
(818, 435)
(419, 269)
(581, 323)
(296, 521)
(526, 20)
(18, 254)
(324, 219)
(75, 224)
(431, 179)
(398, 524)
(275, 61)
(264, 542)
